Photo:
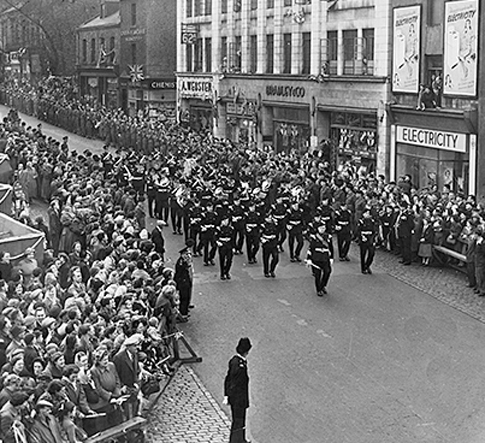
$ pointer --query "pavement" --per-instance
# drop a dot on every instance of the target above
(403, 354)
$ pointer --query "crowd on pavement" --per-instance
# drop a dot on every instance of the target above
(103, 290)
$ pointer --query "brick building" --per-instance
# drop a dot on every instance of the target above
(293, 74)
(147, 54)
(435, 89)
(98, 43)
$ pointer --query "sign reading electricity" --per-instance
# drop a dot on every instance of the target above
(192, 87)
(449, 141)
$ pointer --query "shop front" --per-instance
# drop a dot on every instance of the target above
(195, 96)
(241, 122)
(434, 157)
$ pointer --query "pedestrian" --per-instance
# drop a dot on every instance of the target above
(320, 258)
(236, 391)
(425, 242)
(366, 236)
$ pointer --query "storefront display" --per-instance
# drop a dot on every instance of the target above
(241, 122)
(291, 129)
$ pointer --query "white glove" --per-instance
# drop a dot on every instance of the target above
(331, 261)
(225, 401)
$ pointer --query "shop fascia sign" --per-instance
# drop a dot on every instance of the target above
(285, 91)
(429, 138)
(195, 87)
(131, 35)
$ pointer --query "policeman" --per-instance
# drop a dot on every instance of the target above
(295, 227)
(280, 214)
(237, 219)
(252, 221)
(225, 242)
(405, 230)
(269, 243)
(343, 219)
(207, 234)
(195, 215)
(320, 258)
(366, 236)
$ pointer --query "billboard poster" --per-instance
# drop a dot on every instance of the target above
(406, 51)
(460, 48)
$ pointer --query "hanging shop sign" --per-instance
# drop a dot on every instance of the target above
(449, 141)
(285, 91)
(406, 52)
(195, 87)
(461, 48)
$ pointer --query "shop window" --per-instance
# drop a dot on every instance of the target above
(306, 49)
(253, 53)
(188, 7)
(286, 53)
(269, 53)
(208, 54)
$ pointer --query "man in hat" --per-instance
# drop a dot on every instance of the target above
(236, 390)
(11, 414)
(184, 279)
(46, 427)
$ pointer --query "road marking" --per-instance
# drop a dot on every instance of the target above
(284, 302)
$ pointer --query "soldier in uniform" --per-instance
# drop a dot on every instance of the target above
(252, 221)
(225, 242)
(388, 222)
(195, 214)
(366, 234)
(295, 226)
(137, 179)
(343, 218)
(236, 391)
(151, 193)
(320, 258)
(208, 226)
(176, 207)
(269, 243)
(163, 196)
(237, 219)
(280, 214)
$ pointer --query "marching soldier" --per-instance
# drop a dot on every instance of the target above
(366, 234)
(295, 227)
(343, 218)
(269, 243)
(327, 213)
(163, 196)
(280, 215)
(207, 234)
(195, 214)
(137, 179)
(237, 218)
(177, 202)
(252, 221)
(320, 258)
(225, 242)
(151, 193)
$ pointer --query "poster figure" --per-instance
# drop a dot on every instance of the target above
(461, 45)
(407, 22)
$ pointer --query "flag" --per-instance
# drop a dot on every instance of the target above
(136, 73)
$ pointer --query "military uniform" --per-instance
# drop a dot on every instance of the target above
(237, 219)
(225, 242)
(208, 227)
(195, 214)
(252, 222)
(319, 255)
(366, 235)
(280, 214)
(269, 243)
(405, 229)
(295, 226)
(343, 218)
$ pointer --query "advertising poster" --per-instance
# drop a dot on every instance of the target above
(406, 57)
(460, 48)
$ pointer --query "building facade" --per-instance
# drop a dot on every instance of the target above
(435, 90)
(98, 43)
(148, 55)
(296, 75)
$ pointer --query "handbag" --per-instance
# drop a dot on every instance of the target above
(451, 239)
(150, 386)
(92, 396)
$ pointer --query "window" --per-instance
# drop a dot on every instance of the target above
(224, 6)
(286, 53)
(350, 51)
(253, 53)
(270, 4)
(197, 8)
(85, 50)
(367, 51)
(235, 55)
(254, 5)
(188, 54)
(306, 44)
(208, 7)
(269, 54)
(133, 53)
(237, 5)
(287, 3)
(93, 51)
(188, 7)
(224, 63)
(133, 14)
(198, 55)
(208, 54)
(112, 50)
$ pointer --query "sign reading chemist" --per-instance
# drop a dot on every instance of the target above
(449, 141)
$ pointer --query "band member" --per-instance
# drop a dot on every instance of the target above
(163, 196)
(320, 258)
(177, 203)
(237, 219)
(236, 391)
(295, 227)
(195, 214)
(343, 218)
(207, 234)
(280, 215)
(269, 243)
(366, 235)
(252, 221)
(151, 193)
(225, 242)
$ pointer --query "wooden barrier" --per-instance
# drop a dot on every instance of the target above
(445, 256)
(131, 431)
